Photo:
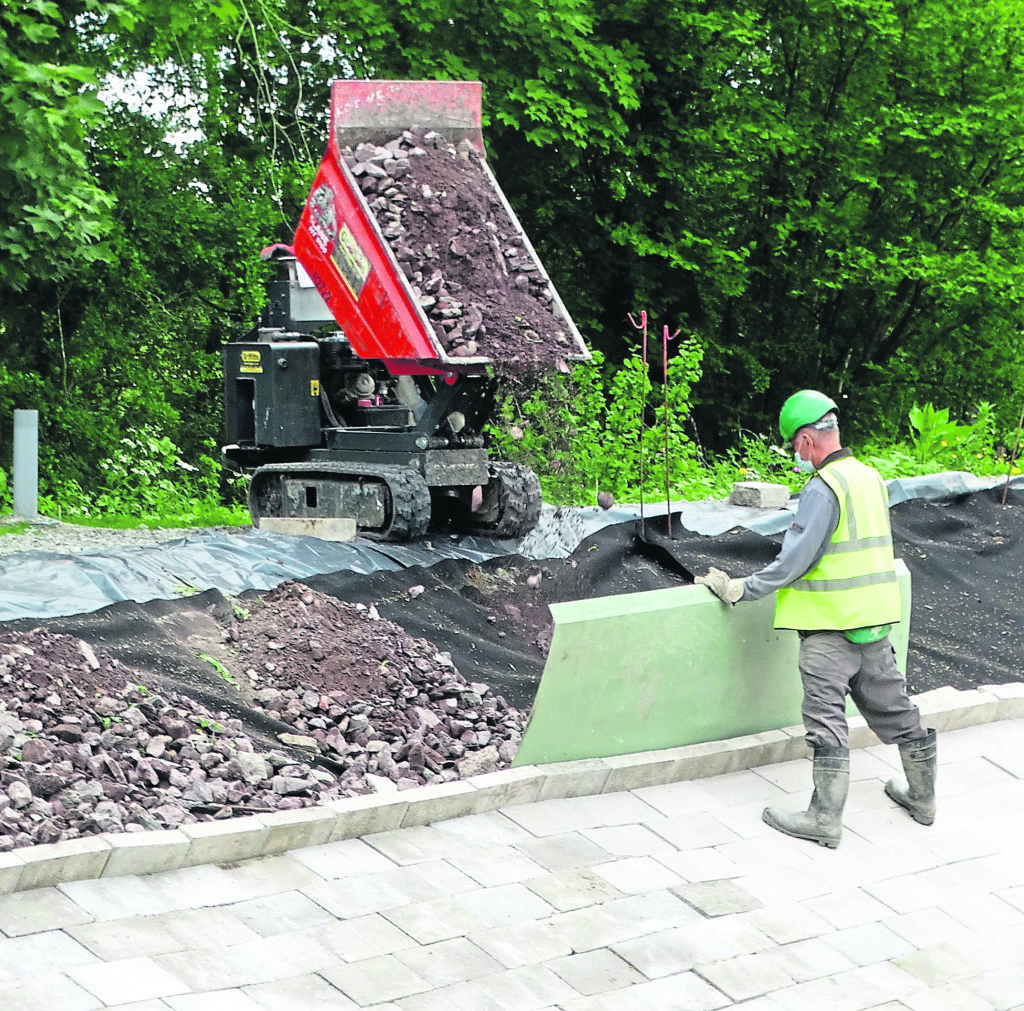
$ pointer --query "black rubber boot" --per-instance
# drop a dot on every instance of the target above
(917, 792)
(822, 822)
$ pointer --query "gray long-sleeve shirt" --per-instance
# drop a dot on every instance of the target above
(808, 536)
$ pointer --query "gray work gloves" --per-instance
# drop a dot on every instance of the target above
(719, 583)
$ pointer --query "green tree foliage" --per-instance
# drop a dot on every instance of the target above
(53, 214)
(822, 193)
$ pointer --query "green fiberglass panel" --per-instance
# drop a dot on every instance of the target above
(645, 671)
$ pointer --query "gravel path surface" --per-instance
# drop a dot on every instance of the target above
(69, 538)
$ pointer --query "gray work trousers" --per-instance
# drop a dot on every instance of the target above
(832, 667)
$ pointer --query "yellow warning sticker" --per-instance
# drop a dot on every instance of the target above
(350, 260)
(251, 357)
(314, 387)
(251, 368)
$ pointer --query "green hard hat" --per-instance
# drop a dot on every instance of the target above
(803, 408)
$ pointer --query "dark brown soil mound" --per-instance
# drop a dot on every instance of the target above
(481, 288)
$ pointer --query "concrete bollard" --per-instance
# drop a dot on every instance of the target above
(26, 464)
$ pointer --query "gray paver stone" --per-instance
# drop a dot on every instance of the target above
(636, 875)
(41, 909)
(656, 955)
(572, 889)
(504, 904)
(593, 972)
(746, 976)
(935, 966)
(127, 979)
(46, 993)
(45, 952)
(222, 1000)
(361, 938)
(522, 943)
(162, 933)
(717, 898)
(246, 964)
(437, 920)
(343, 859)
(417, 844)
(283, 913)
(568, 851)
(586, 929)
(498, 865)
(348, 897)
(868, 943)
(652, 911)
(529, 986)
(447, 962)
(299, 993)
(375, 980)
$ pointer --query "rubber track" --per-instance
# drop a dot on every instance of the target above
(519, 502)
(408, 495)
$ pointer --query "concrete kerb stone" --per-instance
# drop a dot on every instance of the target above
(288, 830)
(222, 842)
(950, 709)
(11, 866)
(70, 860)
(1011, 699)
(583, 777)
(146, 852)
(506, 788)
(258, 835)
(367, 814)
(438, 803)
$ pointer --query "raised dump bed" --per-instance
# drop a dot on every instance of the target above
(413, 247)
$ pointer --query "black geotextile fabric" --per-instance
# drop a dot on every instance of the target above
(965, 556)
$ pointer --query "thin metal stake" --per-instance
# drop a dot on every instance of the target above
(664, 365)
(642, 325)
(1013, 456)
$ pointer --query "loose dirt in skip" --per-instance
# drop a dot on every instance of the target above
(146, 716)
(480, 286)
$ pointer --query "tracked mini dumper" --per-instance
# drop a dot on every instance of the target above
(344, 403)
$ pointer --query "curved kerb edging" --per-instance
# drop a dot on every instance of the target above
(220, 842)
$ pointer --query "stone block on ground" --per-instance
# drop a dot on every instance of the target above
(759, 494)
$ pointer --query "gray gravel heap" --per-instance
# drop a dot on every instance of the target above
(86, 747)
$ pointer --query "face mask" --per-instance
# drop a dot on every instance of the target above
(804, 466)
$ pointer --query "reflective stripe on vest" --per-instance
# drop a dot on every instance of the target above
(854, 585)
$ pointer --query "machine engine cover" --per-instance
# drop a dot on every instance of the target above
(272, 394)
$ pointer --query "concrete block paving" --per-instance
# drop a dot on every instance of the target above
(670, 896)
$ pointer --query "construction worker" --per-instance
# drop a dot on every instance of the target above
(836, 582)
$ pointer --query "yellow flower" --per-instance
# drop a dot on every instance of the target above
(944, 443)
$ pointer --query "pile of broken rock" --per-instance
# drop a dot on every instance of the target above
(87, 747)
(474, 277)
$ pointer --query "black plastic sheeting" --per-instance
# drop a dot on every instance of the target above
(44, 584)
(965, 555)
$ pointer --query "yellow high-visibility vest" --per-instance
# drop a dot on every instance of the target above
(854, 585)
